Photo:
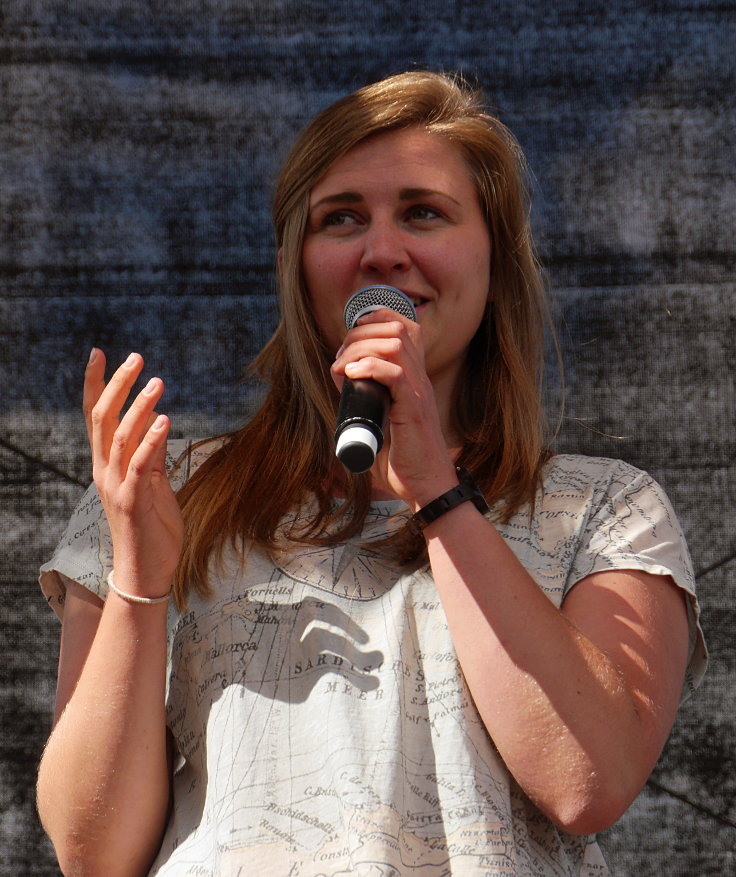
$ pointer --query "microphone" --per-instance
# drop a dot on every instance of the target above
(364, 403)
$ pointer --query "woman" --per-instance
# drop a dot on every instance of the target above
(335, 688)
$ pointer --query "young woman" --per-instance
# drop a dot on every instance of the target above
(295, 670)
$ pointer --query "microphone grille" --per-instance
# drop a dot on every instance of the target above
(371, 298)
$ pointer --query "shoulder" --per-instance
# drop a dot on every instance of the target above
(610, 496)
(596, 513)
(609, 489)
(579, 473)
(590, 485)
(622, 518)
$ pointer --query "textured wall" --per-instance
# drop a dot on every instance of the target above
(137, 146)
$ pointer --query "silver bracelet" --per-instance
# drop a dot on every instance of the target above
(133, 598)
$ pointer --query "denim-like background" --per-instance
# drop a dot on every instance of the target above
(138, 142)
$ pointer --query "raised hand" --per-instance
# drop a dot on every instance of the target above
(128, 466)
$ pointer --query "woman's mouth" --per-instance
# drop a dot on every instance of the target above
(417, 300)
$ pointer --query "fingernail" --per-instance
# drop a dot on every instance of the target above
(339, 352)
(151, 387)
(130, 361)
(159, 423)
(92, 356)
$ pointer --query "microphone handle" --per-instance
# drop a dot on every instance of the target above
(361, 421)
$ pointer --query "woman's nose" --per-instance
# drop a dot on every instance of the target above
(384, 249)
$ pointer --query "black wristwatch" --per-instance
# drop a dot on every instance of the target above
(466, 491)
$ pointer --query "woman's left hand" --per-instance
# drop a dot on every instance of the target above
(414, 462)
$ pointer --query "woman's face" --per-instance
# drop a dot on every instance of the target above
(401, 209)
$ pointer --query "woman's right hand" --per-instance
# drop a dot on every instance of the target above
(128, 466)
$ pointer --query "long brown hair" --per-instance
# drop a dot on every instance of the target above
(285, 453)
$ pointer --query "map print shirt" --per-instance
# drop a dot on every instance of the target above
(323, 724)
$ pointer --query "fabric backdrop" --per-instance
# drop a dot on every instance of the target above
(138, 144)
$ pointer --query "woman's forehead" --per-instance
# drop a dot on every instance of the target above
(408, 158)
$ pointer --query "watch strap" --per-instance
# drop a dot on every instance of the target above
(466, 491)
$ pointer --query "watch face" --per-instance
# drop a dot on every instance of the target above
(355, 569)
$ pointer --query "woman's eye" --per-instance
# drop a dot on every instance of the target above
(422, 212)
(339, 218)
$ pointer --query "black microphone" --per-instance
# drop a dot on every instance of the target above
(364, 403)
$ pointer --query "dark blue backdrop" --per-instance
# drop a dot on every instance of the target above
(138, 143)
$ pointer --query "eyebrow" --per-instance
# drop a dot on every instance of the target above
(338, 198)
(409, 194)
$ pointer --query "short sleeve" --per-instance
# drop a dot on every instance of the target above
(84, 552)
(632, 525)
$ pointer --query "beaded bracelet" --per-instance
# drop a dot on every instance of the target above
(466, 491)
(134, 598)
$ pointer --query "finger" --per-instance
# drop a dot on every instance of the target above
(406, 334)
(387, 348)
(133, 426)
(385, 323)
(150, 455)
(355, 352)
(384, 371)
(106, 411)
(94, 384)
(146, 483)
(151, 419)
(135, 496)
(384, 315)
(380, 358)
